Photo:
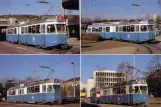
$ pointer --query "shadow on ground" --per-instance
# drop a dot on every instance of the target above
(83, 104)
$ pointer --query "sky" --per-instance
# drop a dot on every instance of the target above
(34, 8)
(90, 63)
(119, 8)
(22, 66)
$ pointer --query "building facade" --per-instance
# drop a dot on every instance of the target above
(105, 78)
(90, 85)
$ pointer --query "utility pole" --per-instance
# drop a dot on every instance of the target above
(74, 77)
(62, 9)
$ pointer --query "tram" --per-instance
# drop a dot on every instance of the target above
(140, 31)
(131, 93)
(44, 34)
(45, 91)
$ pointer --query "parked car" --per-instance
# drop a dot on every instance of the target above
(67, 99)
(76, 99)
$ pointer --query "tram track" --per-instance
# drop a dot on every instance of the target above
(151, 48)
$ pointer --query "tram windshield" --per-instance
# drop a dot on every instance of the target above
(143, 89)
(61, 28)
(56, 88)
(150, 28)
(136, 89)
(50, 88)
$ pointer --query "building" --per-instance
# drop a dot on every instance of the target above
(90, 85)
(104, 78)
(68, 87)
(83, 86)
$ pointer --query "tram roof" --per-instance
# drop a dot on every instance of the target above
(34, 83)
(37, 22)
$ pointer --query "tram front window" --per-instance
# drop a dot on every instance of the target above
(150, 28)
(61, 28)
(50, 88)
(144, 28)
(137, 89)
(56, 88)
(143, 89)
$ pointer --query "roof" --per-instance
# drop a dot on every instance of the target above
(72, 79)
(37, 22)
(37, 83)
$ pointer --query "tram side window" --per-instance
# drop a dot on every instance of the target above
(29, 29)
(124, 28)
(100, 29)
(42, 28)
(122, 90)
(143, 89)
(49, 88)
(22, 91)
(143, 28)
(22, 30)
(33, 29)
(15, 30)
(37, 28)
(93, 29)
(61, 28)
(137, 28)
(37, 89)
(117, 29)
(132, 28)
(107, 29)
(51, 29)
(128, 28)
(26, 30)
(32, 89)
(44, 88)
(120, 29)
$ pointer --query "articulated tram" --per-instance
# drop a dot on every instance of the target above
(142, 31)
(44, 34)
(132, 93)
(46, 91)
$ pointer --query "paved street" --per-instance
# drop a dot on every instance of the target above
(11, 48)
(113, 105)
(5, 104)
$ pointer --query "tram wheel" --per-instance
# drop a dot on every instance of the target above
(60, 102)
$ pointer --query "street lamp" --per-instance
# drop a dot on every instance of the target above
(137, 5)
(74, 77)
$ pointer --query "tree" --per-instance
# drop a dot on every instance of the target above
(154, 76)
(126, 67)
(83, 90)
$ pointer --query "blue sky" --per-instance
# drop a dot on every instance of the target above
(22, 66)
(110, 62)
(119, 8)
(35, 8)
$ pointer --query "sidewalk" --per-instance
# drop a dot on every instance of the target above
(73, 42)
(120, 50)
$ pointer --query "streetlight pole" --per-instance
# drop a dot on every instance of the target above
(74, 77)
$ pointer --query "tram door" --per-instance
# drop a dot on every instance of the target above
(136, 34)
(43, 93)
(2, 34)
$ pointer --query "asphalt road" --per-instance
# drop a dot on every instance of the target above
(5, 104)
(114, 105)
(13, 48)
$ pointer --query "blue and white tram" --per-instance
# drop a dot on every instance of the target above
(43, 34)
(136, 32)
(39, 92)
(133, 93)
